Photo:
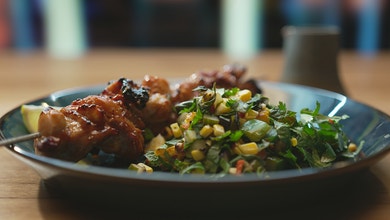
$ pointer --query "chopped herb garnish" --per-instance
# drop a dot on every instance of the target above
(231, 131)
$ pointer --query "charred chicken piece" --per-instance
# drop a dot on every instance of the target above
(158, 111)
(110, 122)
(114, 120)
(230, 76)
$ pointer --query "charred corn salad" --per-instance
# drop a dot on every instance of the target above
(232, 131)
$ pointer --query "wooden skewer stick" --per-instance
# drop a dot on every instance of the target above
(19, 139)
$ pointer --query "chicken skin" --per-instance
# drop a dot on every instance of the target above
(109, 122)
(230, 76)
(114, 121)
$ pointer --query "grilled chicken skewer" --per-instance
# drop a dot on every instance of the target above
(109, 121)
(27, 137)
(114, 120)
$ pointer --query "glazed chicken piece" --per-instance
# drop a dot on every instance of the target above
(158, 111)
(110, 122)
(114, 120)
(229, 77)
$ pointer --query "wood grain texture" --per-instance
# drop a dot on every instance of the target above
(29, 76)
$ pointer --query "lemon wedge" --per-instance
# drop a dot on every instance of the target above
(30, 116)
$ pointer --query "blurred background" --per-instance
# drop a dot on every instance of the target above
(71, 27)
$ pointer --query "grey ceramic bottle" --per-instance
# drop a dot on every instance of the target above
(311, 57)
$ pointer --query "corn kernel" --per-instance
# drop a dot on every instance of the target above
(222, 108)
(218, 130)
(264, 115)
(83, 162)
(237, 150)
(188, 119)
(176, 131)
(140, 168)
(145, 167)
(232, 170)
(251, 114)
(171, 151)
(197, 155)
(244, 95)
(352, 147)
(135, 167)
(206, 131)
(249, 148)
(160, 152)
(293, 141)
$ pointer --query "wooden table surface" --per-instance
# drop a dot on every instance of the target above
(24, 77)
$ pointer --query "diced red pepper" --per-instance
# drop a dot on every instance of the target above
(240, 166)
